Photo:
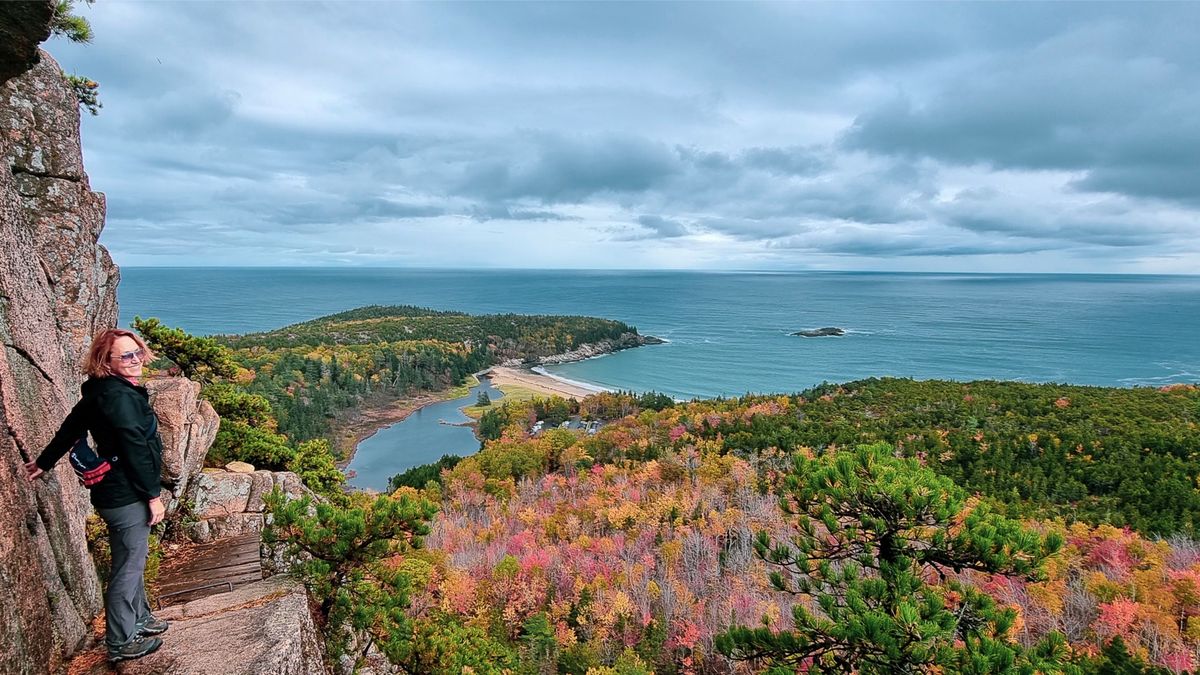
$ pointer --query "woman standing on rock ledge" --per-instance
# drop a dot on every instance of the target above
(115, 408)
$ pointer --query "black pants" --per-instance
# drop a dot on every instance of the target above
(125, 605)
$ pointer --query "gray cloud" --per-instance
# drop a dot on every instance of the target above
(785, 161)
(662, 228)
(774, 134)
(1106, 99)
(557, 169)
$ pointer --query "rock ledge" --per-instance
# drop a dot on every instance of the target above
(258, 629)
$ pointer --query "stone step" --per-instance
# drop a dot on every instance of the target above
(261, 628)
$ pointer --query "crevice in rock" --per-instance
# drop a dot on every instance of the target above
(64, 563)
(29, 357)
(20, 170)
(11, 433)
(47, 273)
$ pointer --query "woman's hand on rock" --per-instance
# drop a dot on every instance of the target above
(33, 471)
(157, 511)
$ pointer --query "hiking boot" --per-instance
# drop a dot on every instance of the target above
(134, 649)
(152, 626)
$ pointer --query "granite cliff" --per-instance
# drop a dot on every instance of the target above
(57, 287)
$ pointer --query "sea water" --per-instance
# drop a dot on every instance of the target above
(730, 333)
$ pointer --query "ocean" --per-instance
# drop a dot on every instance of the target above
(729, 333)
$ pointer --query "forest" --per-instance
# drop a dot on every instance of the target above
(877, 526)
(502, 335)
(311, 371)
(644, 544)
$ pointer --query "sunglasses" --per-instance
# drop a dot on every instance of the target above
(128, 357)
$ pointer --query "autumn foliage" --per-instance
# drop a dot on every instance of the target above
(574, 551)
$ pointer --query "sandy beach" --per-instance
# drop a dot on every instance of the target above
(542, 384)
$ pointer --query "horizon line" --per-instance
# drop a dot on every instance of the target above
(646, 269)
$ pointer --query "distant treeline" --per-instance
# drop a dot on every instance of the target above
(1126, 457)
(503, 336)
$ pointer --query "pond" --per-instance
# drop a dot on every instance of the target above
(421, 438)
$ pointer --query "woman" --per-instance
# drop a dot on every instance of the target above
(115, 408)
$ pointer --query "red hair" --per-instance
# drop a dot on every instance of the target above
(98, 363)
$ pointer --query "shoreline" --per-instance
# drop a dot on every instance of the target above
(540, 381)
(364, 422)
(370, 419)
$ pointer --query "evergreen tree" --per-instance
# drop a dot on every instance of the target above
(344, 554)
(199, 358)
(238, 441)
(419, 476)
(314, 465)
(492, 423)
(66, 23)
(873, 530)
(234, 404)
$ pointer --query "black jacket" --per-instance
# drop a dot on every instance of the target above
(118, 414)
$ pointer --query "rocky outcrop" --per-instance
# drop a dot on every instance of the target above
(593, 349)
(830, 331)
(187, 425)
(263, 628)
(229, 503)
(57, 287)
(23, 26)
(63, 217)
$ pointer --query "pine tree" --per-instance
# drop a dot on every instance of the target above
(873, 530)
(343, 555)
(199, 358)
(314, 465)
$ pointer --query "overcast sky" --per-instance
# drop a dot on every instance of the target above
(954, 137)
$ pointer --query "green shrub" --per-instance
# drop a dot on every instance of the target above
(314, 465)
(346, 565)
(238, 441)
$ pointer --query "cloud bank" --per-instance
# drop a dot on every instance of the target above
(1016, 137)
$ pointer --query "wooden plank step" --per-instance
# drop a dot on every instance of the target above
(217, 550)
(201, 570)
(179, 583)
(206, 562)
(243, 576)
(210, 573)
(235, 579)
(224, 586)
